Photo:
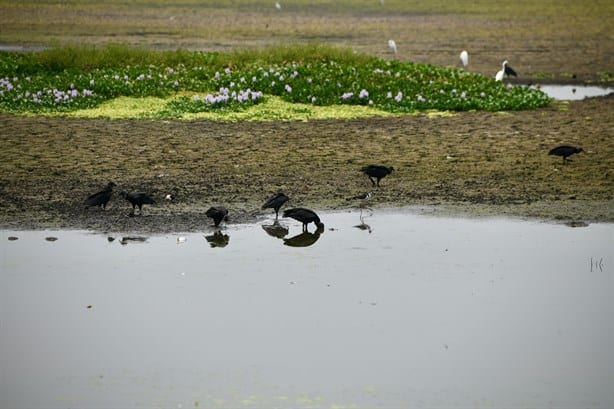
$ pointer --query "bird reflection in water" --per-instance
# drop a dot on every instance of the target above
(276, 230)
(132, 239)
(305, 239)
(218, 239)
(363, 225)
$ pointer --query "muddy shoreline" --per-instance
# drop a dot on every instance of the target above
(473, 163)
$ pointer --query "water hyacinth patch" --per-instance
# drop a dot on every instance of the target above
(223, 100)
(389, 85)
(28, 95)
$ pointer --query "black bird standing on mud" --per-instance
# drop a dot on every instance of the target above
(304, 216)
(100, 198)
(275, 202)
(377, 171)
(564, 151)
(218, 214)
(137, 199)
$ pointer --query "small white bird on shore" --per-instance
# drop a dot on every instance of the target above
(392, 45)
(464, 57)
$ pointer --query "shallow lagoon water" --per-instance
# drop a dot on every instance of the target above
(401, 311)
(574, 92)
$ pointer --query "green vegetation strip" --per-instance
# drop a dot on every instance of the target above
(185, 84)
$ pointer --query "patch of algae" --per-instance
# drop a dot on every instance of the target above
(123, 108)
(272, 109)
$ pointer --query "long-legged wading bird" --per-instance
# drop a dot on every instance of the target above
(217, 213)
(138, 199)
(100, 198)
(376, 171)
(505, 69)
(565, 151)
(304, 216)
(275, 202)
(392, 45)
(464, 57)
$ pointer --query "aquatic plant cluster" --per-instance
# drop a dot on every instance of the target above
(393, 86)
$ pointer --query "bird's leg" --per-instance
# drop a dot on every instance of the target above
(372, 181)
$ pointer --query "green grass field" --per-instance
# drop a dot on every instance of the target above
(550, 38)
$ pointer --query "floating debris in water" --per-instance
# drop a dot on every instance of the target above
(181, 239)
(89, 306)
(13, 238)
(110, 239)
(51, 238)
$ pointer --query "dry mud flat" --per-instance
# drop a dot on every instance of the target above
(477, 163)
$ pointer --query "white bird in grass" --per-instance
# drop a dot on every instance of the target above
(464, 57)
(392, 45)
(277, 5)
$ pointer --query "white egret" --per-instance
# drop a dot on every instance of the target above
(464, 57)
(392, 45)
(277, 5)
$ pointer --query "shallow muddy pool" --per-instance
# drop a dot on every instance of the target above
(574, 92)
(391, 309)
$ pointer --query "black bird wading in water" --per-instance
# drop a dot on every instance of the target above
(565, 151)
(217, 213)
(100, 198)
(376, 171)
(138, 199)
(275, 202)
(304, 216)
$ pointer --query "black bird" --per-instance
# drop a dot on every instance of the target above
(565, 151)
(377, 171)
(275, 202)
(138, 199)
(218, 214)
(100, 198)
(509, 70)
(505, 70)
(304, 216)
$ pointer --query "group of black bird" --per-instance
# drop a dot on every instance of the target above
(218, 213)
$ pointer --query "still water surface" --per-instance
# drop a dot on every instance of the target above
(574, 92)
(402, 311)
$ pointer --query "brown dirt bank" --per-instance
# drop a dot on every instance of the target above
(475, 162)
